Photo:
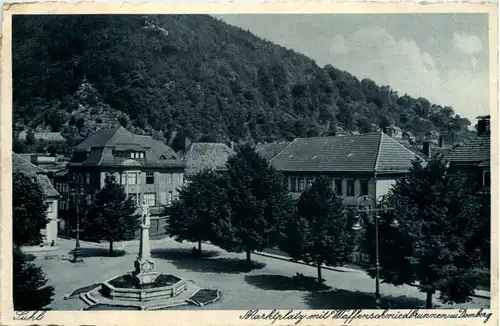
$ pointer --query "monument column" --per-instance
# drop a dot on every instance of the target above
(144, 265)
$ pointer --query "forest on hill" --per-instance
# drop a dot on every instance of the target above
(177, 76)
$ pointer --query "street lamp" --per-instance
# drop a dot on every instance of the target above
(77, 253)
(370, 210)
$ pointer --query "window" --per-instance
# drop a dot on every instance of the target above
(123, 178)
(169, 199)
(141, 155)
(310, 181)
(363, 189)
(293, 184)
(87, 178)
(169, 178)
(150, 199)
(300, 186)
(285, 182)
(337, 186)
(350, 187)
(486, 179)
(132, 178)
(150, 178)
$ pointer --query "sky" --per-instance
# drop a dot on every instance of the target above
(441, 57)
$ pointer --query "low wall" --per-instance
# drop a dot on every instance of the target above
(129, 294)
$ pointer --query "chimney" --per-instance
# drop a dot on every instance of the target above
(441, 141)
(426, 147)
(483, 125)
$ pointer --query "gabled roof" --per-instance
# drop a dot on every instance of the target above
(119, 138)
(100, 144)
(21, 165)
(202, 156)
(373, 152)
(394, 156)
(473, 152)
(158, 148)
(270, 150)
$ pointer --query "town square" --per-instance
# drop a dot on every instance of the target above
(242, 288)
(203, 162)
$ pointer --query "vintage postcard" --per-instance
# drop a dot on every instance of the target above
(287, 164)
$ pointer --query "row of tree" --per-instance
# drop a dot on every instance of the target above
(440, 245)
(442, 242)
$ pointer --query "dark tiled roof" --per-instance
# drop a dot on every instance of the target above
(394, 157)
(119, 138)
(159, 148)
(99, 143)
(475, 151)
(268, 151)
(351, 153)
(21, 165)
(202, 156)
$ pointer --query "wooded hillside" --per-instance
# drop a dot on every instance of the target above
(173, 76)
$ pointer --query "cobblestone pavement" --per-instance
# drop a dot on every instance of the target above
(268, 285)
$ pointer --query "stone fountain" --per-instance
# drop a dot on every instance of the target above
(144, 283)
(144, 288)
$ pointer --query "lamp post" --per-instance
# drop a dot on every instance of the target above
(77, 253)
(370, 210)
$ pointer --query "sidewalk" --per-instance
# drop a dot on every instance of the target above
(116, 245)
(477, 293)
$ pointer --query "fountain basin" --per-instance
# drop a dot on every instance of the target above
(124, 287)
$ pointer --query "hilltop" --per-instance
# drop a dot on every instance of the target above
(178, 76)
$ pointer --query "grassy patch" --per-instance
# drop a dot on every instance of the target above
(204, 297)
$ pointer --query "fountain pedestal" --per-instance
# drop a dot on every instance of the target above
(144, 265)
(143, 288)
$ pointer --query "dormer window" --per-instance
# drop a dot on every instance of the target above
(136, 154)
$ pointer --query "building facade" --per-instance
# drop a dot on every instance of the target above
(473, 158)
(21, 165)
(149, 170)
(367, 164)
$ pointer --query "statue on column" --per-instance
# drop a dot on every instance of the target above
(145, 215)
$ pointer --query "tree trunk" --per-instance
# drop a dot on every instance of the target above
(319, 273)
(111, 248)
(428, 300)
(248, 257)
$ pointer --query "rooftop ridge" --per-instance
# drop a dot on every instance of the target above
(404, 147)
(337, 136)
(114, 135)
(35, 167)
(289, 143)
(375, 168)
